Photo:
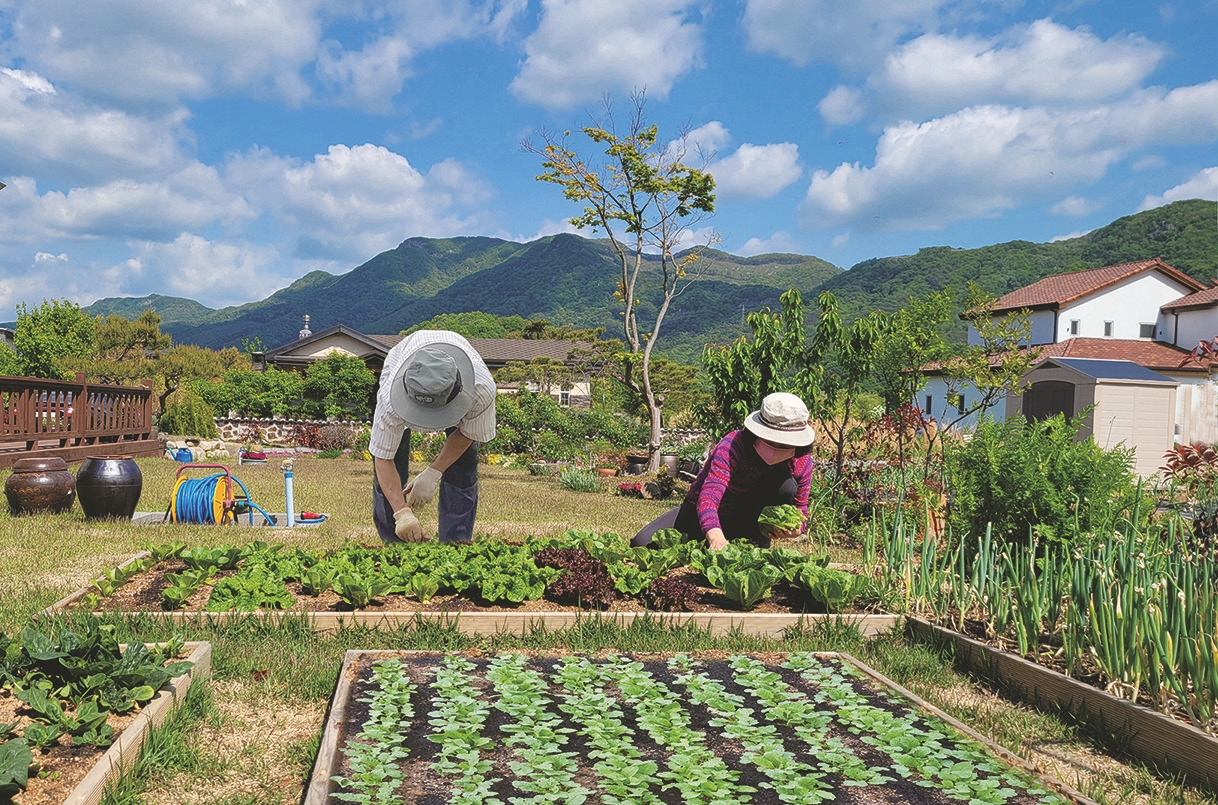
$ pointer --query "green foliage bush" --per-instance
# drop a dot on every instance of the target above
(339, 386)
(253, 394)
(188, 415)
(537, 425)
(1039, 476)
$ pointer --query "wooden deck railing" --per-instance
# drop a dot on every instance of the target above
(71, 420)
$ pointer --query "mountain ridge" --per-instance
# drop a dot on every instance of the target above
(570, 279)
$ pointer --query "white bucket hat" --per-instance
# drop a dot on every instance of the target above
(783, 419)
(434, 388)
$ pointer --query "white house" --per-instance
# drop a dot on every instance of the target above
(1145, 312)
(372, 349)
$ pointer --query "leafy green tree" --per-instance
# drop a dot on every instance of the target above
(851, 352)
(339, 385)
(185, 362)
(51, 337)
(740, 374)
(546, 372)
(914, 340)
(125, 351)
(645, 199)
(253, 394)
(472, 325)
(10, 364)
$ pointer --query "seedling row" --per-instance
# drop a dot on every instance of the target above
(514, 729)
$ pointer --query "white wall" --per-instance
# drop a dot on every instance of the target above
(936, 388)
(1196, 409)
(1041, 332)
(1127, 305)
(1193, 326)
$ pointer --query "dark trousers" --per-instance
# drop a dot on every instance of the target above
(458, 496)
(740, 525)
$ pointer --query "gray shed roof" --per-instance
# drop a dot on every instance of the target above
(1101, 369)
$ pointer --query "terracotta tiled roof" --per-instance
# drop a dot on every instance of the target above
(498, 351)
(1200, 299)
(1053, 292)
(1151, 354)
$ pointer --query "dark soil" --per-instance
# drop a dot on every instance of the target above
(425, 787)
(143, 594)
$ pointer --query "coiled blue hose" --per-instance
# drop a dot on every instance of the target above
(195, 501)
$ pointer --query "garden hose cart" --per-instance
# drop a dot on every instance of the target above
(210, 500)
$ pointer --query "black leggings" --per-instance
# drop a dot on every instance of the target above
(684, 518)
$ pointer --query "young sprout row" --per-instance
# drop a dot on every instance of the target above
(1139, 606)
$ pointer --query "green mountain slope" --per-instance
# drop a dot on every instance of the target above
(570, 279)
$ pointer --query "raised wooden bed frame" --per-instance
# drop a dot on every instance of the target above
(124, 752)
(492, 623)
(1166, 743)
(320, 788)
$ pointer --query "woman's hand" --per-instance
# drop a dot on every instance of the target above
(715, 539)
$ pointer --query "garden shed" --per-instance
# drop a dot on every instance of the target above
(1134, 406)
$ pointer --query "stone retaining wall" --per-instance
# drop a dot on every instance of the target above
(274, 431)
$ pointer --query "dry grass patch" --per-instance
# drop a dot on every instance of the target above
(249, 750)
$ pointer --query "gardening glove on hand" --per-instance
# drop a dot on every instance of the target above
(422, 489)
(407, 526)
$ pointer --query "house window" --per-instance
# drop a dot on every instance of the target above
(928, 400)
(1074, 327)
(1146, 331)
(1107, 329)
(533, 386)
(564, 398)
(960, 405)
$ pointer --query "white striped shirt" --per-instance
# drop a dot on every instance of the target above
(387, 427)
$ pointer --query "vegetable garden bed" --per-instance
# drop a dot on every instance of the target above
(420, 727)
(490, 587)
(1171, 745)
(77, 708)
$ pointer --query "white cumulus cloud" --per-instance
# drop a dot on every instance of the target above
(49, 134)
(1075, 206)
(756, 171)
(352, 202)
(1203, 185)
(214, 273)
(780, 242)
(1042, 63)
(585, 48)
(855, 34)
(985, 159)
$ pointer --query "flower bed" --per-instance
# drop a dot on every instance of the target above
(77, 706)
(491, 585)
(800, 728)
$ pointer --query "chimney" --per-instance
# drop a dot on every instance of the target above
(306, 332)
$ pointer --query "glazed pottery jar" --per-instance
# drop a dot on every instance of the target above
(109, 486)
(40, 485)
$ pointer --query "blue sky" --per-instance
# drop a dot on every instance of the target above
(220, 149)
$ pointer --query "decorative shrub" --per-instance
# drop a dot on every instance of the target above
(306, 435)
(1193, 470)
(579, 480)
(334, 437)
(1024, 476)
(188, 415)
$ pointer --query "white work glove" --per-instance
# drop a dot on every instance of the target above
(422, 489)
(407, 526)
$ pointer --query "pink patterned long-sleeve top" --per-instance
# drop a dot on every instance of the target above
(734, 477)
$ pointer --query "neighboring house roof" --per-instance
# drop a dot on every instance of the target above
(1052, 292)
(370, 342)
(1151, 354)
(495, 352)
(1103, 369)
(1195, 301)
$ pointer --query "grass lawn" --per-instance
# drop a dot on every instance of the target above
(251, 734)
